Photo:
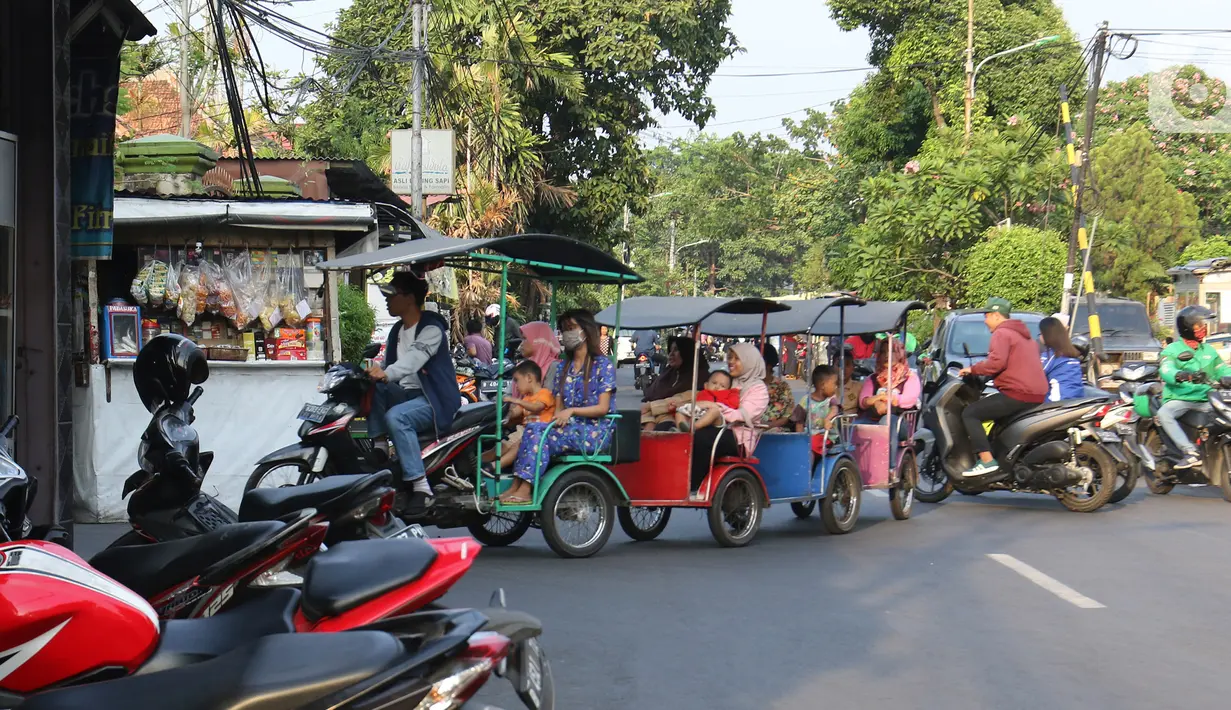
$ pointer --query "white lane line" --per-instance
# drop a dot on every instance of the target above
(1054, 586)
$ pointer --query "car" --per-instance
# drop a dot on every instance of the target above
(964, 328)
(1127, 336)
(624, 347)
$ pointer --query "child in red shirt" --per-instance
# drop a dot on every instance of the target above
(707, 413)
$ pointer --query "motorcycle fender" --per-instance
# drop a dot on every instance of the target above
(548, 479)
(135, 481)
(294, 452)
(1117, 453)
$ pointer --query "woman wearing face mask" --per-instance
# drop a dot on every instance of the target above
(585, 395)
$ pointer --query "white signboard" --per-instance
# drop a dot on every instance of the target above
(438, 161)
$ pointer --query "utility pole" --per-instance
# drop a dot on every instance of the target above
(628, 237)
(1077, 237)
(184, 75)
(416, 112)
(970, 62)
(671, 249)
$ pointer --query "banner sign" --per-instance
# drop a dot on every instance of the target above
(95, 82)
(438, 161)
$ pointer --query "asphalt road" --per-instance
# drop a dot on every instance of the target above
(911, 614)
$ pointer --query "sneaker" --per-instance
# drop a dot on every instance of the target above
(981, 469)
(1190, 461)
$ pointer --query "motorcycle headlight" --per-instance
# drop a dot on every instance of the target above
(10, 470)
(332, 378)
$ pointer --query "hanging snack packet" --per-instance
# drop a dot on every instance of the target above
(190, 281)
(173, 286)
(139, 286)
(156, 287)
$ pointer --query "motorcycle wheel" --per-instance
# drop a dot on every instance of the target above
(803, 511)
(643, 524)
(1157, 486)
(933, 485)
(1126, 482)
(301, 473)
(1104, 467)
(500, 529)
(1225, 483)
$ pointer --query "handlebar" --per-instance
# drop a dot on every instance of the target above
(196, 394)
(9, 426)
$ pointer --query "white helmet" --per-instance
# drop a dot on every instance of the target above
(493, 311)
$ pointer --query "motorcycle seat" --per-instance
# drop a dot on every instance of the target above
(151, 569)
(187, 641)
(467, 416)
(352, 573)
(281, 671)
(1048, 406)
(324, 495)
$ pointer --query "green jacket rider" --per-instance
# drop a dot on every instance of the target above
(1182, 390)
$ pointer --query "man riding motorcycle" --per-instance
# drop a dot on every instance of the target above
(1013, 360)
(416, 384)
(1181, 392)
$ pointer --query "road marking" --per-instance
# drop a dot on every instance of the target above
(1054, 586)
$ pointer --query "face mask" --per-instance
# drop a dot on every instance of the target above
(572, 339)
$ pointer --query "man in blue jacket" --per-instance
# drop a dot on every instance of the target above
(416, 387)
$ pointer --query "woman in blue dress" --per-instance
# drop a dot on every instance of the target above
(585, 395)
(1061, 361)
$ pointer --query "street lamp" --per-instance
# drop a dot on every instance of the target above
(1040, 42)
(676, 250)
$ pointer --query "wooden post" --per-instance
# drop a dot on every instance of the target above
(334, 353)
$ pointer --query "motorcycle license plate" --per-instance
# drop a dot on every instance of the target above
(1109, 437)
(531, 685)
(314, 413)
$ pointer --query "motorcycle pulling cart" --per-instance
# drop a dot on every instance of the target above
(864, 455)
(572, 501)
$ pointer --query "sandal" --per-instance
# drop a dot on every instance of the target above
(514, 500)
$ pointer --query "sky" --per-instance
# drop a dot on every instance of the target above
(793, 36)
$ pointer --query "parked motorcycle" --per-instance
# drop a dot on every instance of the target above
(1210, 431)
(643, 371)
(1055, 448)
(97, 644)
(327, 448)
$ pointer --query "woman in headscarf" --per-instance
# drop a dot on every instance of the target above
(674, 386)
(781, 400)
(747, 370)
(899, 385)
(541, 345)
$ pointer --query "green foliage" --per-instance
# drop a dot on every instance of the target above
(883, 121)
(554, 93)
(137, 61)
(1145, 220)
(1212, 247)
(1022, 264)
(357, 321)
(922, 221)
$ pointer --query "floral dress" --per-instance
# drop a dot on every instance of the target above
(581, 435)
(781, 403)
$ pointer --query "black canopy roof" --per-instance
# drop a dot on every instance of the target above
(799, 319)
(872, 317)
(547, 256)
(674, 311)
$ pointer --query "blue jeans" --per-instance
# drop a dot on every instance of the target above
(385, 396)
(405, 421)
(1169, 419)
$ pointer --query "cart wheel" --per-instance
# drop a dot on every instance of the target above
(902, 495)
(643, 524)
(735, 509)
(578, 513)
(803, 511)
(500, 529)
(840, 507)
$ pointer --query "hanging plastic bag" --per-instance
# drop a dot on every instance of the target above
(156, 286)
(139, 290)
(190, 282)
(173, 286)
(442, 282)
(238, 268)
(271, 313)
(294, 302)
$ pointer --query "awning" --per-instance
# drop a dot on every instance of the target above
(266, 214)
(657, 312)
(800, 319)
(872, 317)
(548, 256)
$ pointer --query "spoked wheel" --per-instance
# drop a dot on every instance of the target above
(578, 514)
(643, 524)
(1154, 444)
(840, 507)
(933, 484)
(500, 528)
(803, 510)
(1095, 495)
(735, 510)
(1126, 481)
(279, 474)
(902, 495)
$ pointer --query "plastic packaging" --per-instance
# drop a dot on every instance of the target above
(156, 285)
(139, 290)
(190, 283)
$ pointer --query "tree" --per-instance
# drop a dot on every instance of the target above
(630, 56)
(1022, 264)
(883, 121)
(925, 40)
(357, 320)
(1213, 247)
(1145, 220)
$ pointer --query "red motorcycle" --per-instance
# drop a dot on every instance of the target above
(64, 624)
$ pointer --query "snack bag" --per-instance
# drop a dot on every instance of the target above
(190, 282)
(139, 286)
(239, 276)
(271, 314)
(156, 286)
(202, 291)
(173, 286)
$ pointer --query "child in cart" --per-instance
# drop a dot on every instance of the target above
(717, 391)
(534, 403)
(817, 409)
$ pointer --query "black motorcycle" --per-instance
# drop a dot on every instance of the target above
(643, 371)
(1210, 431)
(1054, 448)
(327, 447)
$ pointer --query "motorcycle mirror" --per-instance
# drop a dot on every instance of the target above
(372, 350)
(1185, 356)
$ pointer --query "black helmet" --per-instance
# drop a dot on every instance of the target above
(167, 368)
(1188, 318)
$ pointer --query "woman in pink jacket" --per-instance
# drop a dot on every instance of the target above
(901, 386)
(740, 434)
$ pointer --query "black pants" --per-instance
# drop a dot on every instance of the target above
(989, 409)
(703, 445)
